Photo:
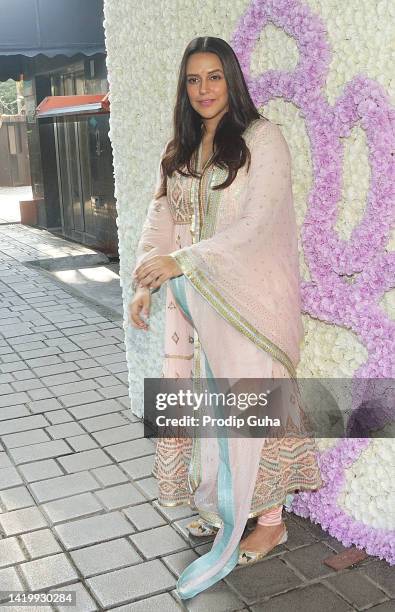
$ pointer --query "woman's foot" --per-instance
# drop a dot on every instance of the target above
(260, 542)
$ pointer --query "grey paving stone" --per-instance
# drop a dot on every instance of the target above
(72, 507)
(13, 367)
(10, 552)
(135, 582)
(87, 363)
(10, 331)
(95, 409)
(103, 350)
(334, 544)
(27, 385)
(218, 597)
(92, 343)
(10, 358)
(118, 390)
(108, 381)
(23, 424)
(313, 528)
(64, 486)
(158, 603)
(115, 368)
(268, 577)
(40, 470)
(9, 580)
(120, 496)
(84, 602)
(44, 405)
(45, 363)
(13, 412)
(65, 344)
(5, 461)
(11, 399)
(40, 543)
(42, 367)
(9, 477)
(105, 557)
(356, 589)
(85, 460)
(112, 358)
(103, 422)
(76, 399)
(14, 499)
(65, 430)
(123, 377)
(57, 417)
(82, 442)
(50, 350)
(93, 530)
(158, 542)
(308, 599)
(139, 468)
(109, 475)
(382, 574)
(6, 378)
(388, 606)
(35, 452)
(149, 487)
(309, 560)
(144, 517)
(131, 431)
(131, 450)
(176, 513)
(39, 394)
(29, 346)
(74, 355)
(26, 437)
(297, 536)
(57, 379)
(24, 375)
(97, 372)
(5, 388)
(177, 562)
(41, 574)
(21, 521)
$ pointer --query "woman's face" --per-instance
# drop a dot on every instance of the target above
(206, 85)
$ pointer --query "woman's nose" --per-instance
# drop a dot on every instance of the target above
(203, 86)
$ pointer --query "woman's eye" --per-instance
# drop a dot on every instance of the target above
(193, 79)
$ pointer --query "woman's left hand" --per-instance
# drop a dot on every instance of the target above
(157, 270)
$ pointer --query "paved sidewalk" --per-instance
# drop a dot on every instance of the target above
(78, 508)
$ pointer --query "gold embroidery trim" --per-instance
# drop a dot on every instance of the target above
(230, 314)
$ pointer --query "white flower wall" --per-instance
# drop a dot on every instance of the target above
(321, 69)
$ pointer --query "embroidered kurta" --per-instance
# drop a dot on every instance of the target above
(192, 212)
(240, 317)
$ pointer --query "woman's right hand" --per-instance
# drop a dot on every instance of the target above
(140, 304)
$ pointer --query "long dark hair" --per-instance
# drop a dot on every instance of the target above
(231, 151)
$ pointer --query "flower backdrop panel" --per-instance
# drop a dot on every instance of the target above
(322, 70)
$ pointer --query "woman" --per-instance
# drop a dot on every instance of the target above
(221, 229)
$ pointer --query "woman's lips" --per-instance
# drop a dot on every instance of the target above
(207, 102)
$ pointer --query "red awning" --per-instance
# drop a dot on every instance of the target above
(55, 106)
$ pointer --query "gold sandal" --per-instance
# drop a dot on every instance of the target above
(201, 529)
(249, 557)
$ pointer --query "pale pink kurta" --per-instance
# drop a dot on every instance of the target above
(268, 299)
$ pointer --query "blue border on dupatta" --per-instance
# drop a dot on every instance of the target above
(225, 497)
